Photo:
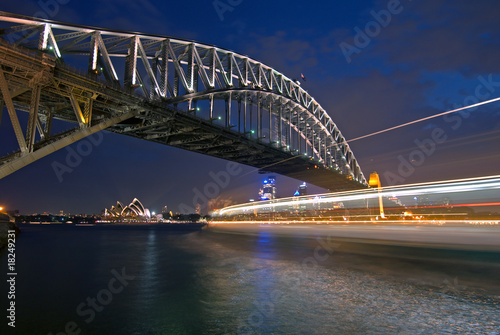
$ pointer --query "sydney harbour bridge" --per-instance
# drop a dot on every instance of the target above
(176, 92)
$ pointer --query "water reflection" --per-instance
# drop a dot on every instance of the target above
(261, 283)
(150, 256)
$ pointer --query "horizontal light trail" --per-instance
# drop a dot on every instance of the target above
(452, 187)
(355, 223)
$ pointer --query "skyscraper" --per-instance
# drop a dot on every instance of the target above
(268, 189)
(302, 189)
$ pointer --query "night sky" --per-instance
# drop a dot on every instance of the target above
(369, 70)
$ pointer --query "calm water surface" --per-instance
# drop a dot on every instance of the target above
(167, 280)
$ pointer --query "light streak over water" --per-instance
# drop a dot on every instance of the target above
(470, 192)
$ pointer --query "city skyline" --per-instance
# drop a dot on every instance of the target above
(301, 189)
(408, 66)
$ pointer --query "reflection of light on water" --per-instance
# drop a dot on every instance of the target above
(263, 238)
(150, 260)
(282, 296)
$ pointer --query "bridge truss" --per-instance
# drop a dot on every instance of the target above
(175, 92)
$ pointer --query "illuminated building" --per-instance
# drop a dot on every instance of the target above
(135, 210)
(268, 190)
(302, 190)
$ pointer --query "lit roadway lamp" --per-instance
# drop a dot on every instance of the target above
(375, 182)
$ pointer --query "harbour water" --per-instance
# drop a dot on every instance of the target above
(179, 279)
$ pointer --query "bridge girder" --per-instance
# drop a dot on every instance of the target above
(177, 92)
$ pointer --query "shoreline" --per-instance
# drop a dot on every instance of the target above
(5, 226)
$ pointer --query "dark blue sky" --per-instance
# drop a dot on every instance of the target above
(424, 58)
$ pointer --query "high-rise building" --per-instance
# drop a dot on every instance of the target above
(268, 189)
(302, 189)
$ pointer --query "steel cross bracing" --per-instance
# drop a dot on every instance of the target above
(176, 92)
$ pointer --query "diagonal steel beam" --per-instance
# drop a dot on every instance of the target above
(27, 158)
(1, 111)
(149, 70)
(12, 112)
(77, 109)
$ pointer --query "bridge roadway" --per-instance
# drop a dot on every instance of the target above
(288, 133)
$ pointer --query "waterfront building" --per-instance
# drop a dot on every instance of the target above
(135, 210)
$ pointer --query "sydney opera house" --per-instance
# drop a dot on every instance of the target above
(132, 212)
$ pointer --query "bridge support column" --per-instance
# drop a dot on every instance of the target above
(280, 129)
(313, 137)
(164, 69)
(93, 56)
(228, 110)
(130, 77)
(304, 138)
(154, 70)
(299, 142)
(259, 118)
(47, 127)
(33, 118)
(289, 137)
(251, 120)
(245, 114)
(270, 122)
(239, 115)
(211, 107)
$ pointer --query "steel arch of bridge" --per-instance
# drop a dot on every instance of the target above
(177, 92)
